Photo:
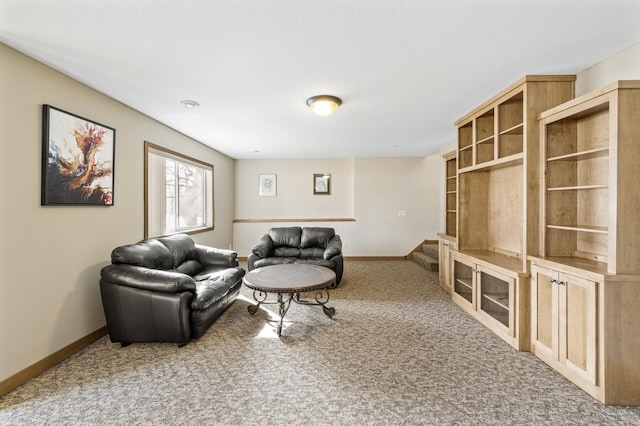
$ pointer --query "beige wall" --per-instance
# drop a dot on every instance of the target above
(50, 257)
(369, 190)
(621, 66)
(294, 198)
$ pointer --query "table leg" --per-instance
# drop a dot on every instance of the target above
(283, 308)
(320, 299)
(258, 296)
(328, 310)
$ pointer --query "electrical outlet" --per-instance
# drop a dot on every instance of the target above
(345, 245)
(402, 212)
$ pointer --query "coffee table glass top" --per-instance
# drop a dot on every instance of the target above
(289, 277)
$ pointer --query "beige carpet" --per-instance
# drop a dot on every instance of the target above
(398, 351)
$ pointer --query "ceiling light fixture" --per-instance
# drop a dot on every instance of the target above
(324, 105)
(189, 104)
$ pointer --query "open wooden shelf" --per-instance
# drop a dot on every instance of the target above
(515, 130)
(451, 192)
(576, 188)
(590, 159)
(581, 228)
(582, 155)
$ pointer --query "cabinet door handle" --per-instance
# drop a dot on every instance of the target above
(561, 282)
(553, 281)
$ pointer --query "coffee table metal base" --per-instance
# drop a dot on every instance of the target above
(284, 300)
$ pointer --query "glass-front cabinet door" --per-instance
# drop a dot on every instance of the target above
(463, 277)
(496, 298)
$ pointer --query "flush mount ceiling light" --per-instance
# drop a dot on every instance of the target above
(324, 105)
(189, 104)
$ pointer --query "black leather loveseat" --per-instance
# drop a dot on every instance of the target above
(167, 289)
(317, 246)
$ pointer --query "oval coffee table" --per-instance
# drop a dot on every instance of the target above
(287, 281)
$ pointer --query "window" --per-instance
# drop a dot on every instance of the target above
(178, 193)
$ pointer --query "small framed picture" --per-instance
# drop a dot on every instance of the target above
(77, 160)
(322, 184)
(267, 185)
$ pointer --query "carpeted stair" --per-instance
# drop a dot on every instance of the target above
(428, 258)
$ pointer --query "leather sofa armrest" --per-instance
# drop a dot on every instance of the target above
(334, 248)
(211, 256)
(264, 248)
(156, 280)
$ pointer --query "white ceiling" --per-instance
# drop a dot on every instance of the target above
(405, 69)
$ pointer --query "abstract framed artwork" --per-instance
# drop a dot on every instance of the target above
(268, 185)
(77, 160)
(322, 184)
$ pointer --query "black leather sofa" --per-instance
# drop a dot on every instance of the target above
(317, 246)
(167, 289)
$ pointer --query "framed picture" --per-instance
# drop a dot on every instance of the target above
(268, 185)
(77, 160)
(322, 183)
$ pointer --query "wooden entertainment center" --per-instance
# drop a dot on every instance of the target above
(545, 250)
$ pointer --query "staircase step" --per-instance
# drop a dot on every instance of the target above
(431, 250)
(426, 261)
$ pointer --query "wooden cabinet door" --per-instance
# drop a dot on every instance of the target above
(496, 300)
(564, 320)
(578, 328)
(463, 282)
(544, 311)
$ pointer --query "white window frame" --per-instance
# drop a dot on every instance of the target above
(155, 194)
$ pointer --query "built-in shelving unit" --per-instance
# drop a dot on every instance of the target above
(447, 239)
(577, 160)
(548, 225)
(451, 190)
(498, 203)
(585, 293)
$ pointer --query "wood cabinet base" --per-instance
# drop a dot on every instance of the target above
(490, 287)
(586, 325)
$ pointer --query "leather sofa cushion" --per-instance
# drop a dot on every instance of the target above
(319, 262)
(208, 292)
(287, 252)
(316, 237)
(190, 267)
(274, 261)
(182, 248)
(286, 237)
(228, 275)
(211, 286)
(311, 252)
(282, 260)
(147, 253)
